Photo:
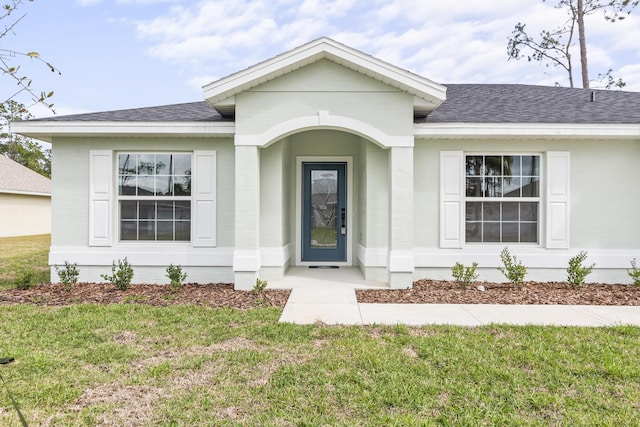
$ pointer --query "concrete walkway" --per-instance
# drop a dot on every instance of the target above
(328, 296)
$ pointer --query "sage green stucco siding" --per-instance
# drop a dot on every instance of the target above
(70, 192)
(275, 195)
(324, 86)
(604, 194)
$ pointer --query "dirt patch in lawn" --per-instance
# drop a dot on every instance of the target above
(446, 292)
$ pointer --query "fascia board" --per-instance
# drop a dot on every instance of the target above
(324, 48)
(46, 130)
(24, 193)
(526, 130)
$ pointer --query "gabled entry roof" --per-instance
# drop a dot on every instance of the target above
(427, 94)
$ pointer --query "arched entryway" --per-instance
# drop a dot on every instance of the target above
(277, 204)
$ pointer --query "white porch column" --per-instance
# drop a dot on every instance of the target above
(246, 256)
(401, 258)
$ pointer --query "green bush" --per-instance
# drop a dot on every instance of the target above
(121, 276)
(259, 286)
(464, 275)
(25, 280)
(68, 274)
(513, 269)
(634, 273)
(576, 272)
(176, 276)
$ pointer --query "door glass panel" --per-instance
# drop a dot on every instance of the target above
(324, 200)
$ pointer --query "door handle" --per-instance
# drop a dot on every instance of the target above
(343, 216)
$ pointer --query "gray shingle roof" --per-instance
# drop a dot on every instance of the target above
(466, 103)
(516, 103)
(15, 178)
(188, 112)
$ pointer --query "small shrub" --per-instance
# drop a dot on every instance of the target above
(25, 280)
(513, 269)
(68, 274)
(259, 286)
(464, 275)
(634, 273)
(121, 276)
(176, 276)
(576, 272)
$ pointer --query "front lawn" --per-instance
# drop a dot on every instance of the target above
(23, 260)
(139, 365)
(132, 364)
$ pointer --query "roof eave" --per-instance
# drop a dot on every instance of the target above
(47, 130)
(526, 130)
(24, 193)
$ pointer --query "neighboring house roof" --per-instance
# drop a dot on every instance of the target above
(17, 179)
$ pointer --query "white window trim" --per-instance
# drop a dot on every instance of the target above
(554, 208)
(539, 199)
(118, 198)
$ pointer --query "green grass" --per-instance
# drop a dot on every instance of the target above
(24, 260)
(91, 364)
(132, 364)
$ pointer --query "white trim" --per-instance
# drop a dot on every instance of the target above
(373, 257)
(401, 261)
(246, 260)
(146, 255)
(325, 48)
(349, 161)
(558, 199)
(276, 256)
(101, 197)
(204, 198)
(24, 193)
(46, 130)
(452, 199)
(531, 257)
(324, 120)
(525, 130)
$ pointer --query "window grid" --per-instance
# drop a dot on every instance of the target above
(154, 192)
(502, 198)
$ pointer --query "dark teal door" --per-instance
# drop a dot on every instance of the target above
(324, 212)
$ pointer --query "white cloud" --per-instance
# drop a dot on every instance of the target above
(460, 41)
(88, 2)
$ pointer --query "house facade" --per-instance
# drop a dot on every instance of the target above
(326, 156)
(25, 200)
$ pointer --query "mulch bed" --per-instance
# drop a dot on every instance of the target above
(423, 292)
(211, 295)
(445, 292)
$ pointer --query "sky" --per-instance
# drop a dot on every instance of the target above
(118, 54)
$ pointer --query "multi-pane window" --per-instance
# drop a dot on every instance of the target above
(502, 198)
(154, 193)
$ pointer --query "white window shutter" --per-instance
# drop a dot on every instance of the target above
(451, 199)
(558, 185)
(100, 197)
(204, 199)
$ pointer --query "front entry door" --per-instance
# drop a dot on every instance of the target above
(324, 212)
